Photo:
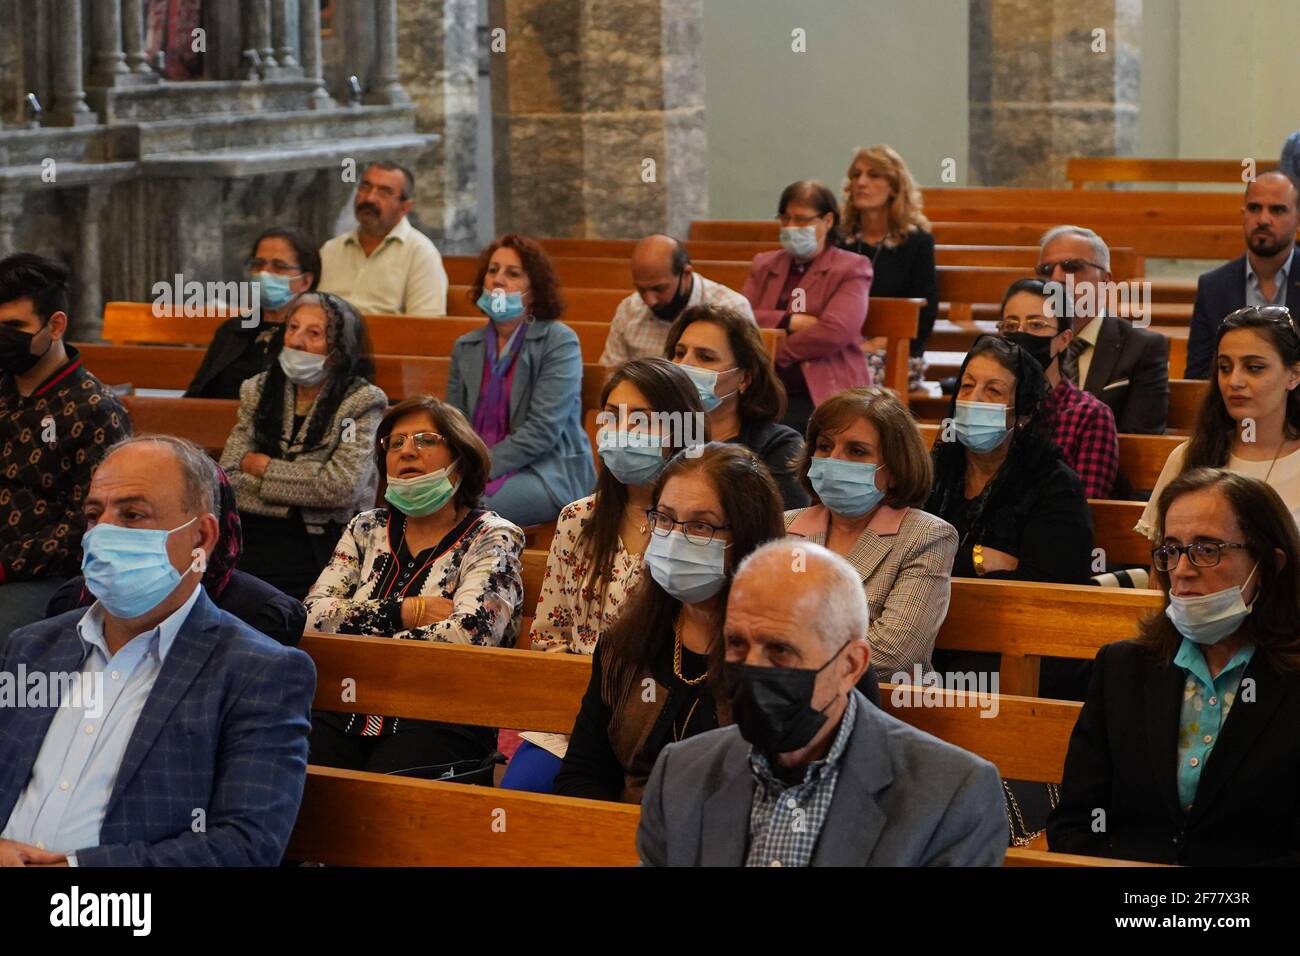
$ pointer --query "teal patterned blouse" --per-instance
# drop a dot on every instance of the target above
(1206, 702)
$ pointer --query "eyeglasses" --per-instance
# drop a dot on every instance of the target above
(796, 220)
(1069, 266)
(1036, 326)
(697, 532)
(1202, 554)
(278, 266)
(1274, 313)
(424, 441)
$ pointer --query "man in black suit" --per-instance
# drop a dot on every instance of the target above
(1125, 366)
(1268, 274)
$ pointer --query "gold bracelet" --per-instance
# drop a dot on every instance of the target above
(419, 610)
(977, 559)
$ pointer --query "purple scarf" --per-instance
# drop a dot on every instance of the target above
(492, 415)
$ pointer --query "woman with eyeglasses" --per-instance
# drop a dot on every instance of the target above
(649, 412)
(655, 673)
(431, 566)
(884, 222)
(284, 263)
(1249, 422)
(1186, 748)
(300, 454)
(817, 292)
(1081, 424)
(722, 352)
(1019, 511)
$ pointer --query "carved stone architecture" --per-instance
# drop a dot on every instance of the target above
(132, 178)
(1050, 79)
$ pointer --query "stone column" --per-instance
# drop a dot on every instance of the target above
(133, 37)
(384, 86)
(110, 61)
(258, 33)
(70, 107)
(88, 277)
(280, 19)
(310, 45)
(1050, 79)
(438, 62)
(11, 214)
(598, 117)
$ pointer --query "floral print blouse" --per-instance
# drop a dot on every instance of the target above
(571, 616)
(476, 566)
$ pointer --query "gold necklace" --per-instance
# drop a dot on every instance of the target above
(677, 657)
(628, 509)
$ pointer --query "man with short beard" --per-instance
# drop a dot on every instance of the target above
(1268, 274)
(385, 265)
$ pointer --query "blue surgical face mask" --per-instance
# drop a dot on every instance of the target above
(302, 368)
(1209, 618)
(706, 383)
(631, 457)
(273, 289)
(501, 306)
(128, 569)
(689, 572)
(981, 426)
(799, 241)
(845, 487)
(422, 495)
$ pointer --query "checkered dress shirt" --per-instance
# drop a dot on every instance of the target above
(785, 821)
(1084, 428)
(635, 332)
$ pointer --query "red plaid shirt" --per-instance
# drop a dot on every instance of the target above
(1084, 428)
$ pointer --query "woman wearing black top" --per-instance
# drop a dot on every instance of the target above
(883, 221)
(711, 509)
(284, 263)
(722, 352)
(1019, 511)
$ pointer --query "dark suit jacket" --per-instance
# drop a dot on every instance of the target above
(903, 798)
(1122, 760)
(1130, 373)
(1219, 293)
(261, 606)
(224, 730)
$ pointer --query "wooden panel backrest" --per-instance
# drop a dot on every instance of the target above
(1125, 264)
(410, 822)
(1150, 204)
(1112, 531)
(1140, 456)
(1080, 170)
(205, 421)
(134, 323)
(534, 572)
(1185, 398)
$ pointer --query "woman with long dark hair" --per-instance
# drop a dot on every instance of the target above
(655, 675)
(1249, 422)
(284, 262)
(1186, 747)
(649, 412)
(301, 456)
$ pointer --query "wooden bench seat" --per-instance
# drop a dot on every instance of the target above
(1082, 170)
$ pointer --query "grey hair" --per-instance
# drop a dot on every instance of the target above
(198, 471)
(1100, 251)
(841, 613)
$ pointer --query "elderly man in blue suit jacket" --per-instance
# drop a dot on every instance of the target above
(811, 774)
(1268, 274)
(181, 734)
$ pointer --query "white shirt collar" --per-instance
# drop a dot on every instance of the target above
(90, 628)
(400, 233)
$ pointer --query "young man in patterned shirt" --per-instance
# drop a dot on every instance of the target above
(55, 421)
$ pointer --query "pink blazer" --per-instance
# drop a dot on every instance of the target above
(836, 288)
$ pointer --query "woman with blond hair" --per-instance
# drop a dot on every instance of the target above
(882, 220)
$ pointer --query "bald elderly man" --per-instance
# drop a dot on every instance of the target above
(181, 739)
(666, 285)
(811, 774)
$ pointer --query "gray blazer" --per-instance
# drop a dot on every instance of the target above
(903, 798)
(546, 433)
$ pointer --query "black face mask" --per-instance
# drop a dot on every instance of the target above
(16, 350)
(1039, 347)
(670, 310)
(772, 706)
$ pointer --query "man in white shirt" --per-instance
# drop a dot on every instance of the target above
(385, 265)
(666, 285)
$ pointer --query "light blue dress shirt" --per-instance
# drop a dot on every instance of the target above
(1255, 295)
(63, 805)
(1206, 702)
